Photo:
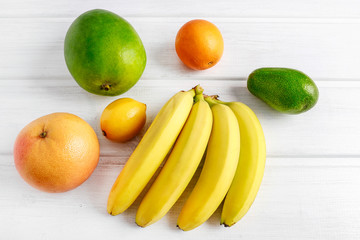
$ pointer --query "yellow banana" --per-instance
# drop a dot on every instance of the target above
(250, 169)
(150, 152)
(180, 165)
(218, 170)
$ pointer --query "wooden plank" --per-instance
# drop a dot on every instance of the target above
(300, 198)
(311, 179)
(329, 129)
(324, 49)
(186, 8)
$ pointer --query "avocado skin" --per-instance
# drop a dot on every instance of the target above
(104, 53)
(286, 90)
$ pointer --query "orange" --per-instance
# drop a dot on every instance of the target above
(199, 44)
(56, 152)
(123, 119)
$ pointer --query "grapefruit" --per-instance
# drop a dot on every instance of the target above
(56, 152)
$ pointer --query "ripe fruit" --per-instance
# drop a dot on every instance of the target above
(250, 169)
(150, 152)
(104, 53)
(180, 166)
(56, 152)
(218, 171)
(123, 119)
(199, 44)
(286, 90)
(182, 130)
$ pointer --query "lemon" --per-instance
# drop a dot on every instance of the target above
(123, 119)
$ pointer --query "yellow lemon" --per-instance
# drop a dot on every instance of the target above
(123, 119)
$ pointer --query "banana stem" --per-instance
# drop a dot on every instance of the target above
(198, 97)
(198, 93)
(212, 100)
(192, 91)
(198, 89)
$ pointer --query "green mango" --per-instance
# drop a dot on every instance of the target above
(286, 90)
(104, 53)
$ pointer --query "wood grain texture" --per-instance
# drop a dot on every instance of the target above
(324, 49)
(318, 132)
(309, 190)
(186, 8)
(300, 198)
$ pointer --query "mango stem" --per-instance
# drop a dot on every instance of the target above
(106, 87)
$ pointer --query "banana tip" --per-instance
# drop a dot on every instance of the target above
(226, 225)
(112, 213)
(179, 228)
(139, 225)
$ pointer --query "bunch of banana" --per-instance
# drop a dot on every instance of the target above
(218, 171)
(251, 165)
(180, 166)
(233, 167)
(150, 152)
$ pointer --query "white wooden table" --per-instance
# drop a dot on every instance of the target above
(311, 185)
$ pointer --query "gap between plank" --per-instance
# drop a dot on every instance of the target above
(56, 82)
(326, 20)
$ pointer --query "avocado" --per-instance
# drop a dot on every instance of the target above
(286, 90)
(104, 53)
